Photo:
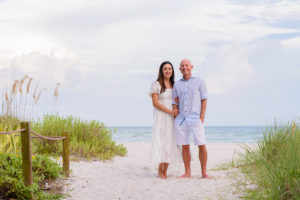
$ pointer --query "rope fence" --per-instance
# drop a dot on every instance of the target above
(31, 136)
(38, 135)
(47, 138)
(26, 150)
(9, 132)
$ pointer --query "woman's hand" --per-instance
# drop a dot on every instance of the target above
(174, 113)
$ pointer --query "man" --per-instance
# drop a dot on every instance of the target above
(190, 98)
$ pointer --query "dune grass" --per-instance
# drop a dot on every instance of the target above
(20, 102)
(273, 166)
(9, 143)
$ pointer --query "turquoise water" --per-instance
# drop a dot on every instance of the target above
(213, 134)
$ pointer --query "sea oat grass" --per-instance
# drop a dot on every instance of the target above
(9, 143)
(274, 165)
(19, 103)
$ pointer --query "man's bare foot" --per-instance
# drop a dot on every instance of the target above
(185, 176)
(207, 176)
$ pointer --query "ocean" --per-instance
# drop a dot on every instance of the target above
(214, 134)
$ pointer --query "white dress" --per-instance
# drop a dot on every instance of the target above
(163, 148)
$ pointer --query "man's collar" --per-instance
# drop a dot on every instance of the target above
(182, 79)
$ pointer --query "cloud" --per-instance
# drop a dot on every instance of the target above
(85, 70)
(239, 23)
(49, 68)
(111, 50)
(228, 68)
(293, 43)
(106, 34)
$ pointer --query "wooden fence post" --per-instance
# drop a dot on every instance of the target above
(66, 154)
(26, 153)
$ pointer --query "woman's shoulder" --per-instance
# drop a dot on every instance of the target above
(155, 88)
(156, 84)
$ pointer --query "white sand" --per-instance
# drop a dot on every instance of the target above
(134, 177)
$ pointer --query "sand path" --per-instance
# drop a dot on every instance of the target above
(134, 177)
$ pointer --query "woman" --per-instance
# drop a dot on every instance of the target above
(164, 148)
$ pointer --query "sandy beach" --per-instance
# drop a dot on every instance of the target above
(135, 177)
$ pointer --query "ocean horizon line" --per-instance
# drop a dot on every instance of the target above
(149, 126)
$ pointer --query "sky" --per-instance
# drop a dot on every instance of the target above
(105, 55)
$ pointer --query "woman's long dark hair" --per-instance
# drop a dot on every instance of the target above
(160, 77)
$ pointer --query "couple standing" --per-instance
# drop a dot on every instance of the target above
(186, 101)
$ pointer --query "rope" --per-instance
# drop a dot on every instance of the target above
(48, 138)
(31, 136)
(38, 135)
(9, 132)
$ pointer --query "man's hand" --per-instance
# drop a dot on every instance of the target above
(202, 120)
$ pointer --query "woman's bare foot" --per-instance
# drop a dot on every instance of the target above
(161, 174)
(165, 169)
(165, 174)
(161, 171)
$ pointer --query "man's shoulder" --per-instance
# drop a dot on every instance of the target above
(177, 82)
(198, 79)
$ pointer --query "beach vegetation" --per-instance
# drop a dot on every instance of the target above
(44, 168)
(9, 142)
(272, 167)
(88, 139)
(19, 103)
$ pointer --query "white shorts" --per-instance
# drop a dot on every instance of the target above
(184, 130)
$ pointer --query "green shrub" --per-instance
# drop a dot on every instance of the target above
(274, 165)
(11, 178)
(87, 138)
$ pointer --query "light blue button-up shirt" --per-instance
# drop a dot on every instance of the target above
(190, 93)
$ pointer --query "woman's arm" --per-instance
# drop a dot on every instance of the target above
(176, 107)
(157, 105)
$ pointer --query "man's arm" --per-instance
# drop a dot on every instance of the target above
(203, 109)
(203, 96)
